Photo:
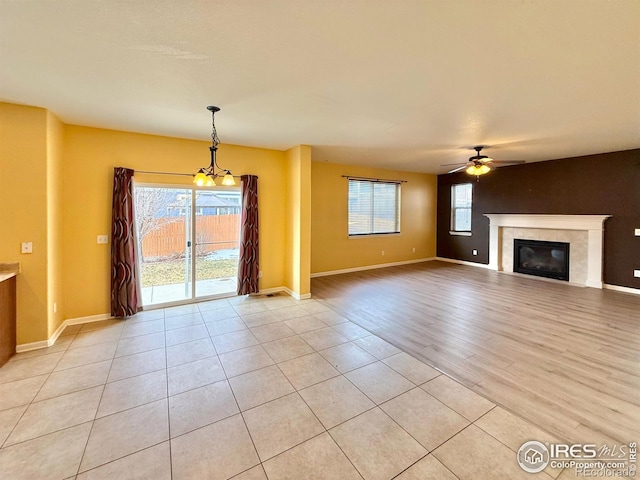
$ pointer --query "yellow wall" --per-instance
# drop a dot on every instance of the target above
(55, 132)
(298, 210)
(331, 247)
(23, 216)
(56, 188)
(90, 156)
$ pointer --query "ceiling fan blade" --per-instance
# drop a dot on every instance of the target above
(512, 162)
(451, 164)
(458, 169)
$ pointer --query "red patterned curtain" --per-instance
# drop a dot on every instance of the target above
(124, 283)
(248, 267)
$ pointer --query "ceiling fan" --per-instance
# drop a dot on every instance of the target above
(480, 164)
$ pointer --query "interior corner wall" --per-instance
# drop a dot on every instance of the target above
(291, 223)
(23, 217)
(331, 247)
(603, 184)
(90, 155)
(55, 307)
(305, 219)
(298, 225)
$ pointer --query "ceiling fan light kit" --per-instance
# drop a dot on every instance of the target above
(478, 170)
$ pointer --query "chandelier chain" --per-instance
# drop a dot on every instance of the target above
(214, 134)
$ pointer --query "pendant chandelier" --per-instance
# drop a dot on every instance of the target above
(206, 177)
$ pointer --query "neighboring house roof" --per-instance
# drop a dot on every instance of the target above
(211, 201)
(207, 200)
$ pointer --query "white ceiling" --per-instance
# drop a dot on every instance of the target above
(403, 84)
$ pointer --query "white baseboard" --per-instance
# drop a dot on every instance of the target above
(286, 290)
(53, 338)
(89, 319)
(297, 296)
(26, 347)
(463, 262)
(268, 291)
(370, 267)
(618, 288)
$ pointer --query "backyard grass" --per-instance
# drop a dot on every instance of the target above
(168, 272)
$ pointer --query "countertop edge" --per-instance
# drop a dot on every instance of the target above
(7, 276)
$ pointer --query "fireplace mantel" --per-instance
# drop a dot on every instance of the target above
(593, 224)
(556, 222)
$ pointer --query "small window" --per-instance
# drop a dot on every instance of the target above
(461, 208)
(374, 207)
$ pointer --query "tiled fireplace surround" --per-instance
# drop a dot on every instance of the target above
(584, 233)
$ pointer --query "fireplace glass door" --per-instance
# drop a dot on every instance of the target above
(541, 258)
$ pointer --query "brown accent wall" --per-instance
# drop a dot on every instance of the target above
(606, 184)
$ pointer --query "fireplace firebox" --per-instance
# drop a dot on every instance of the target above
(541, 258)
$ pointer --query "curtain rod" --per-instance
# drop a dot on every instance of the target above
(380, 180)
(173, 173)
(164, 173)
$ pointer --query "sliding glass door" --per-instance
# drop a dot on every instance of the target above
(187, 243)
(217, 232)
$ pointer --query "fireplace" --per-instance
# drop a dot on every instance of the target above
(541, 258)
(585, 233)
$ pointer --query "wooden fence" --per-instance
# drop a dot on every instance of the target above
(213, 232)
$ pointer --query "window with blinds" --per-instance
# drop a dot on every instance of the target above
(461, 207)
(374, 207)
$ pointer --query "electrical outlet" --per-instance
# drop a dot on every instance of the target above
(55, 308)
(636, 273)
(103, 239)
(383, 253)
(27, 247)
(474, 252)
(260, 274)
(413, 249)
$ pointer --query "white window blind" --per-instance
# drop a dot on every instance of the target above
(461, 207)
(374, 207)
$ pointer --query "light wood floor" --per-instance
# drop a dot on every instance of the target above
(563, 357)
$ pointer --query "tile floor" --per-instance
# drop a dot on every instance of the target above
(175, 292)
(247, 388)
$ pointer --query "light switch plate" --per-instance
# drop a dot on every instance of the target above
(636, 273)
(103, 239)
(27, 247)
(637, 232)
